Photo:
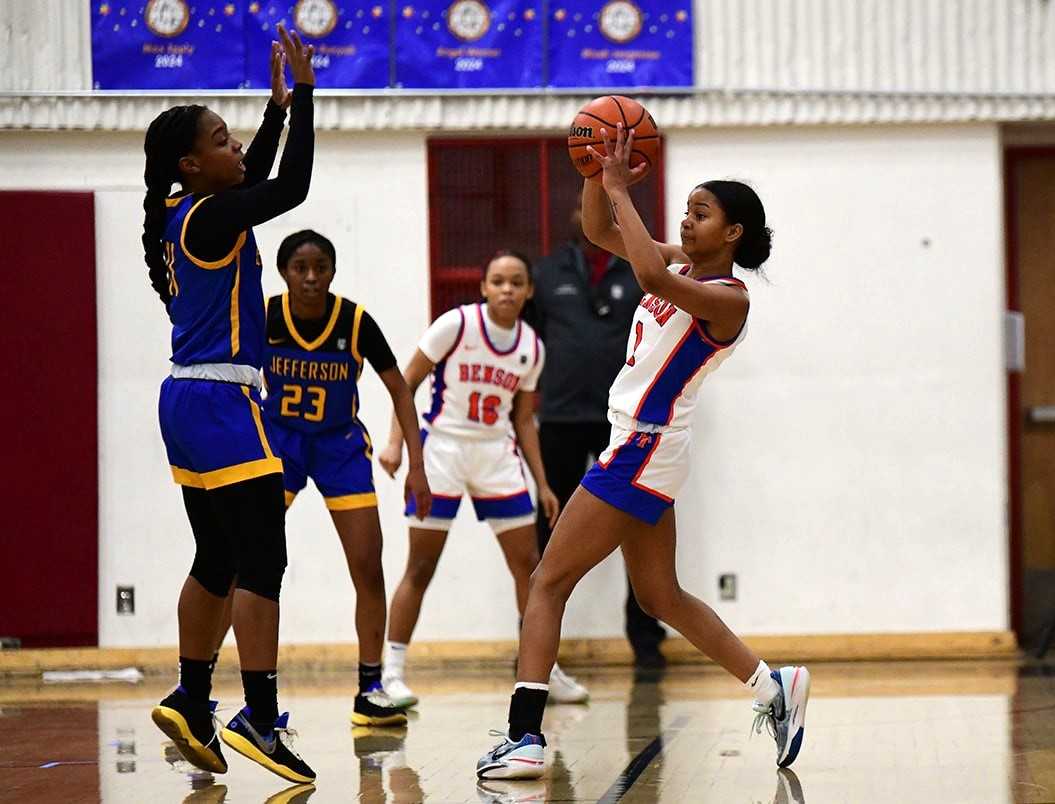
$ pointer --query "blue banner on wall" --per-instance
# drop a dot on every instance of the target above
(167, 44)
(620, 43)
(351, 39)
(468, 44)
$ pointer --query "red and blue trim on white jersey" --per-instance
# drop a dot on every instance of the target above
(439, 376)
(616, 480)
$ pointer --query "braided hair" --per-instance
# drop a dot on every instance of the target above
(169, 138)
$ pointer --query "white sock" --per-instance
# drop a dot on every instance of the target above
(530, 685)
(395, 659)
(763, 686)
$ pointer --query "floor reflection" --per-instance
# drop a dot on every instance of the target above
(911, 732)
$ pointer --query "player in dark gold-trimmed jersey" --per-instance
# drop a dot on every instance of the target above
(204, 264)
(317, 344)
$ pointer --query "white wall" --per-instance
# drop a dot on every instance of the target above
(850, 460)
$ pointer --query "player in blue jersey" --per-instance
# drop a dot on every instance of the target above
(316, 347)
(205, 266)
(692, 316)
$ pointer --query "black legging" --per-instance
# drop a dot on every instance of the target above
(567, 450)
(239, 531)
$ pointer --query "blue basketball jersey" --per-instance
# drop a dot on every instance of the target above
(217, 308)
(312, 386)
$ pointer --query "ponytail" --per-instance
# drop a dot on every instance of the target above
(169, 138)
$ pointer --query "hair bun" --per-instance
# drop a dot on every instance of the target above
(754, 250)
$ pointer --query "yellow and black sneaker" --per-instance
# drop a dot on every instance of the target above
(273, 750)
(375, 708)
(189, 724)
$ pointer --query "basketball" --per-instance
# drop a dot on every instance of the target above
(606, 112)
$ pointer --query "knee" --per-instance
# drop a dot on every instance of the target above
(420, 572)
(368, 575)
(659, 604)
(524, 566)
(213, 570)
(553, 584)
(260, 569)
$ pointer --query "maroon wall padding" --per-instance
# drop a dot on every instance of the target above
(49, 524)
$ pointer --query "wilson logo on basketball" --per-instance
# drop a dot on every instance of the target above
(580, 131)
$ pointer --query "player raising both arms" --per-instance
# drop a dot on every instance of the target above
(205, 266)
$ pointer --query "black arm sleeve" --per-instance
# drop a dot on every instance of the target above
(213, 229)
(373, 346)
(260, 157)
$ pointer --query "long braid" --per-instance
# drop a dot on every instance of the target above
(170, 137)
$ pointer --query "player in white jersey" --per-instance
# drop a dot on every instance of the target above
(485, 363)
(692, 316)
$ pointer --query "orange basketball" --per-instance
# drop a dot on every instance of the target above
(605, 112)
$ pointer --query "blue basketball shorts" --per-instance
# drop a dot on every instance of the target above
(641, 472)
(214, 433)
(338, 461)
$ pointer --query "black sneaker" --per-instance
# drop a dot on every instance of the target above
(189, 725)
(375, 708)
(274, 750)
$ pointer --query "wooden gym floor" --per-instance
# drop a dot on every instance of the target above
(876, 732)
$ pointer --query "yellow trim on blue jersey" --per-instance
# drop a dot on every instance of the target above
(175, 202)
(235, 342)
(210, 266)
(218, 478)
(255, 410)
(319, 341)
(290, 497)
(355, 335)
(369, 443)
(352, 502)
(170, 261)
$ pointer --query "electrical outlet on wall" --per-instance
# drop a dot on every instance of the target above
(126, 600)
(727, 586)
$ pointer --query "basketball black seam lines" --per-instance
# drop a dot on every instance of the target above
(595, 117)
(619, 106)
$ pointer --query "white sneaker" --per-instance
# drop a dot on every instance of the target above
(785, 716)
(398, 692)
(524, 759)
(564, 689)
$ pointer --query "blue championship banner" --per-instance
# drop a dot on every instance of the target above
(469, 44)
(620, 43)
(351, 39)
(167, 44)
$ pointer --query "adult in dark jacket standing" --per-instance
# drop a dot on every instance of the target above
(584, 303)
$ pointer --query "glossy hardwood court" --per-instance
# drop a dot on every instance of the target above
(893, 732)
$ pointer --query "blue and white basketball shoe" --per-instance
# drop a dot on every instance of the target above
(522, 759)
(785, 716)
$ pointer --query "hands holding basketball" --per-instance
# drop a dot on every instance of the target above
(615, 161)
(610, 131)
